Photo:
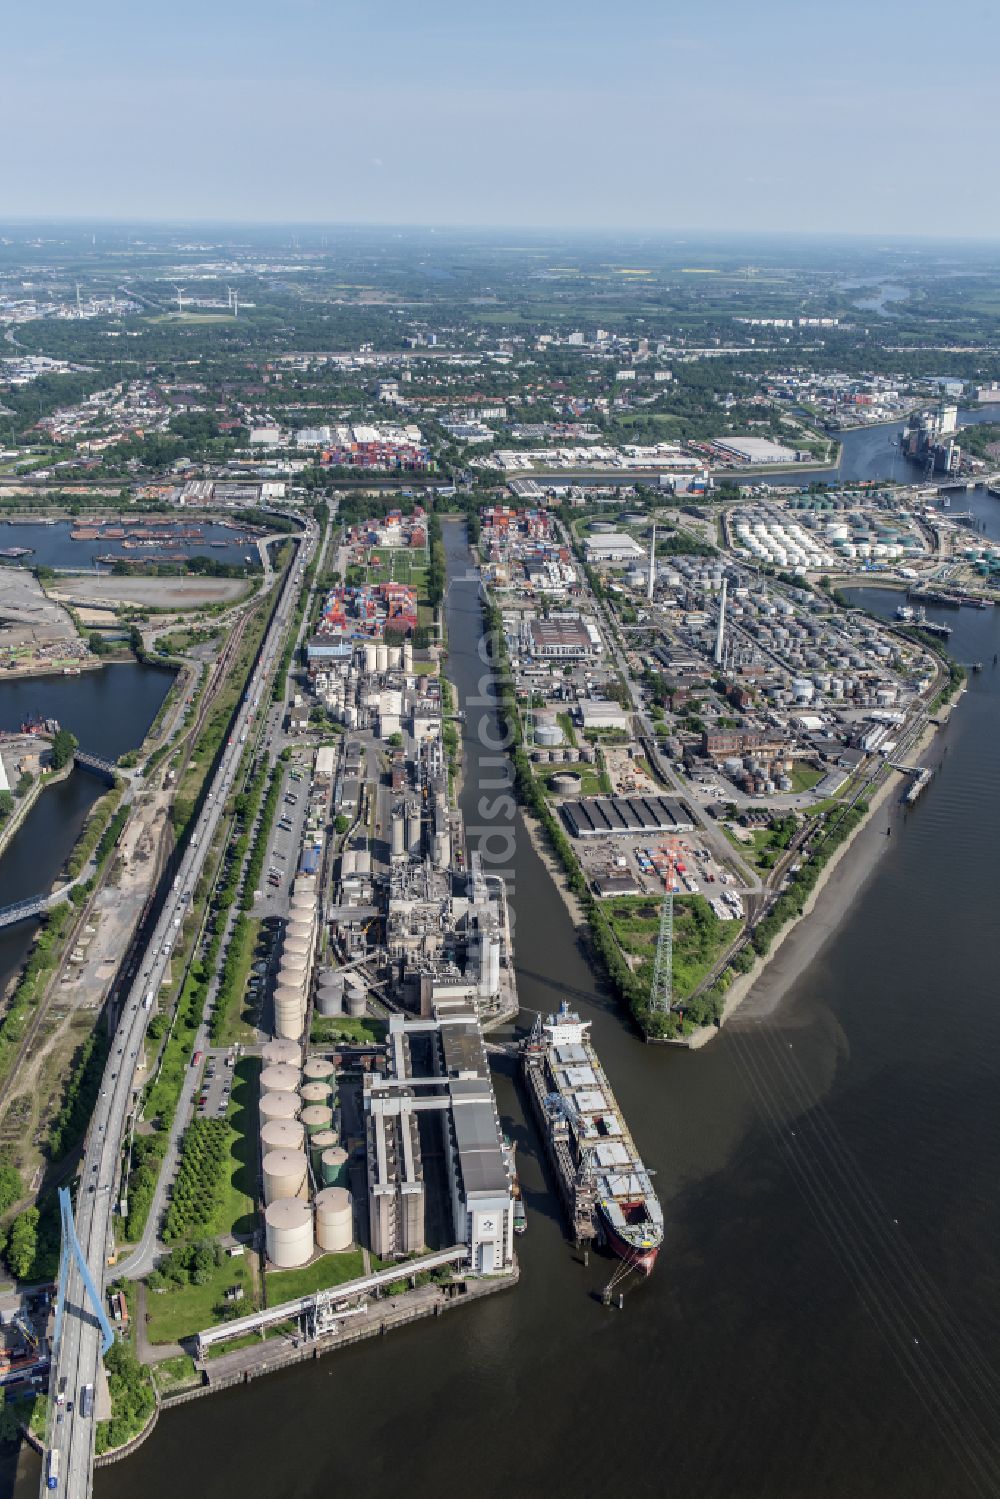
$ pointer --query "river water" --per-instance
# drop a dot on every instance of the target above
(109, 711)
(868, 453)
(823, 1313)
(51, 545)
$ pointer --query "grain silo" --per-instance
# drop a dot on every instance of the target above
(286, 1174)
(333, 1167)
(317, 1116)
(302, 906)
(288, 1233)
(315, 1093)
(278, 1053)
(280, 1079)
(279, 1106)
(334, 1219)
(282, 1134)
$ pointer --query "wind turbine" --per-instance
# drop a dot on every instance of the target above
(180, 298)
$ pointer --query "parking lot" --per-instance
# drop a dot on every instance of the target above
(216, 1066)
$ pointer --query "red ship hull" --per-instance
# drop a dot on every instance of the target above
(642, 1260)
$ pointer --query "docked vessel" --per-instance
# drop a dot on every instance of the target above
(605, 1187)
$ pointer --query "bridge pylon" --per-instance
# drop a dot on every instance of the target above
(71, 1250)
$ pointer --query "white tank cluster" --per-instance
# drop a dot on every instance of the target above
(286, 1174)
(288, 1232)
(334, 1219)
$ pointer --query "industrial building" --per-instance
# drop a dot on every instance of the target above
(597, 816)
(436, 1071)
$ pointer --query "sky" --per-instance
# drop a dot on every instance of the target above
(871, 116)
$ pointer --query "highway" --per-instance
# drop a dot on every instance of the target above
(71, 1433)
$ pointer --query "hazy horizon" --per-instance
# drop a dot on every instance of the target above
(560, 117)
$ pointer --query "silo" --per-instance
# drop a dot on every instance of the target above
(288, 1233)
(333, 1167)
(330, 997)
(316, 1117)
(323, 1140)
(318, 1070)
(302, 907)
(398, 833)
(286, 1174)
(413, 827)
(304, 884)
(277, 1052)
(395, 657)
(334, 1219)
(289, 1024)
(296, 947)
(282, 1134)
(356, 1004)
(288, 993)
(299, 928)
(280, 1079)
(278, 1106)
(381, 656)
(407, 655)
(371, 656)
(292, 963)
(315, 1092)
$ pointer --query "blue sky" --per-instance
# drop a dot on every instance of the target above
(872, 117)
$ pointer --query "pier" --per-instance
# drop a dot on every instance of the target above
(921, 775)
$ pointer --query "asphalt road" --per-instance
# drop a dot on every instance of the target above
(77, 1357)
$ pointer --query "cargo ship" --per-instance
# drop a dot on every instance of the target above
(604, 1185)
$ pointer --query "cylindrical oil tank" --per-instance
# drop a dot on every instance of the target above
(279, 1106)
(287, 993)
(356, 1005)
(317, 1116)
(292, 962)
(302, 906)
(280, 1079)
(316, 1092)
(278, 1053)
(286, 1174)
(324, 1139)
(330, 1000)
(413, 827)
(289, 1024)
(282, 1134)
(371, 656)
(318, 1070)
(333, 1167)
(334, 1219)
(381, 656)
(304, 884)
(300, 929)
(295, 947)
(288, 1233)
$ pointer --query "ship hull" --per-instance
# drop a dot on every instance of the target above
(642, 1260)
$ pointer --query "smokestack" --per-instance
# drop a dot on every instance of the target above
(720, 639)
(652, 566)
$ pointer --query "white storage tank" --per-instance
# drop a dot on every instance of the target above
(304, 884)
(381, 656)
(280, 1079)
(371, 656)
(278, 1053)
(286, 1174)
(318, 1116)
(282, 1134)
(288, 1233)
(330, 998)
(279, 1106)
(295, 947)
(334, 1219)
(315, 1092)
(289, 1024)
(319, 1070)
(300, 928)
(356, 1003)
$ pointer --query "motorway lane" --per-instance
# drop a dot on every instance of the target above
(79, 1352)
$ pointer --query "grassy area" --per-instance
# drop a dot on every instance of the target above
(700, 937)
(233, 1019)
(329, 1270)
(183, 1311)
(172, 1375)
(251, 1339)
(325, 1031)
(237, 1212)
(590, 777)
(565, 722)
(804, 777)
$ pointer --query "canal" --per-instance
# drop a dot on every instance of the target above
(822, 1316)
(109, 711)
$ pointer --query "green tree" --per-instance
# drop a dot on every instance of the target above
(63, 746)
(23, 1243)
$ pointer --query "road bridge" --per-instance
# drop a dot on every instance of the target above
(85, 760)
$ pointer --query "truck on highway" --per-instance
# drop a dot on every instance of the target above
(52, 1478)
(147, 1003)
(87, 1401)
